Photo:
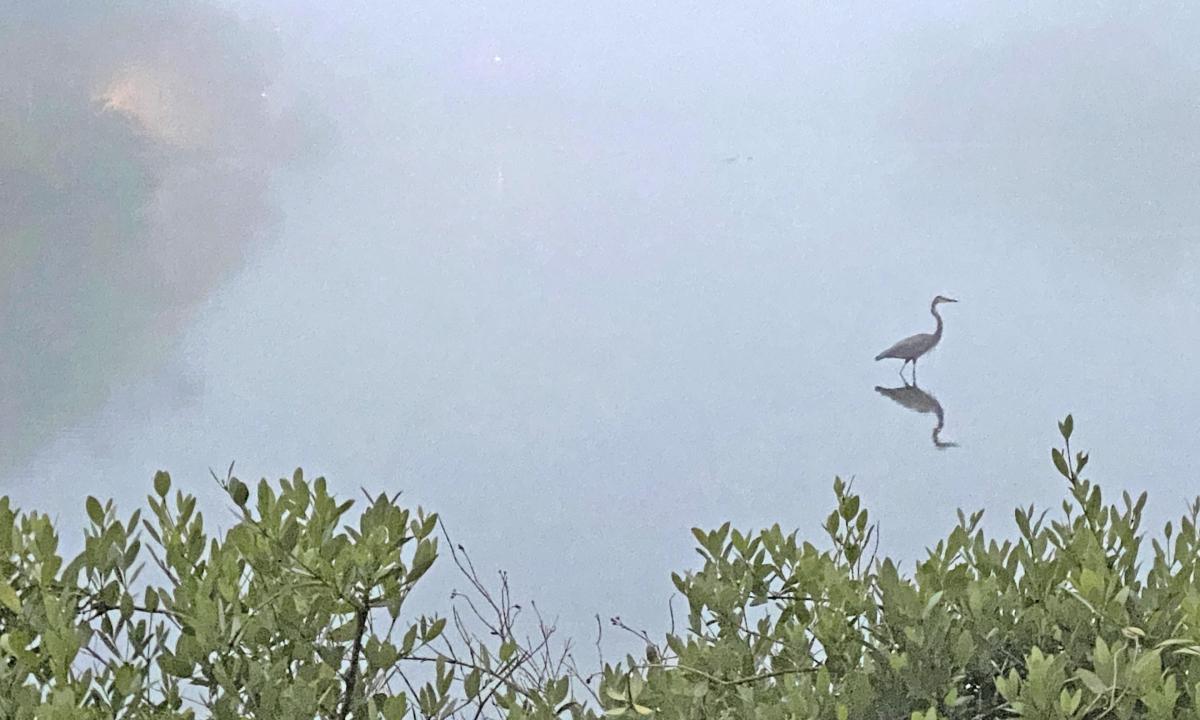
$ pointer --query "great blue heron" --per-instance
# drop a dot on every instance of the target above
(917, 400)
(913, 347)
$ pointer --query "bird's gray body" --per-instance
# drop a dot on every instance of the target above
(911, 348)
(914, 346)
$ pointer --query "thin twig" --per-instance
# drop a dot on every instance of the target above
(360, 626)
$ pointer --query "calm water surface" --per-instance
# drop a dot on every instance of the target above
(583, 296)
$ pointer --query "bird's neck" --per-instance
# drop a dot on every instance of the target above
(933, 309)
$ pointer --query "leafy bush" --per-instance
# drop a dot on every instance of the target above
(1062, 621)
(289, 614)
(292, 613)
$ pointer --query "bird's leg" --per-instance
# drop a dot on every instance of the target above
(914, 372)
(902, 366)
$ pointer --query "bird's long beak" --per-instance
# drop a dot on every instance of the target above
(951, 300)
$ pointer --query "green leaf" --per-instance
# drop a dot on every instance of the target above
(635, 685)
(428, 526)
(1069, 702)
(932, 603)
(162, 483)
(290, 534)
(1060, 463)
(850, 507)
(8, 596)
(422, 560)
(173, 666)
(434, 630)
(395, 707)
(409, 641)
(344, 632)
(471, 683)
(1092, 681)
(94, 510)
(239, 492)
(831, 523)
(380, 654)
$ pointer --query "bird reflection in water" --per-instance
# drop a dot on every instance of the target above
(917, 400)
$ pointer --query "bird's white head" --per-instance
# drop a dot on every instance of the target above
(943, 299)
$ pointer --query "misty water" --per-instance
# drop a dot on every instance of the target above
(581, 281)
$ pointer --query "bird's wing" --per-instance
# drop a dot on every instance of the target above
(907, 348)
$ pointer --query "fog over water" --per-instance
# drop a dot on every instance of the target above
(581, 278)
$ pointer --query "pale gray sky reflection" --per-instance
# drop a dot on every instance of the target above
(534, 296)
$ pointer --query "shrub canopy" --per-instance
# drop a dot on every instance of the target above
(298, 611)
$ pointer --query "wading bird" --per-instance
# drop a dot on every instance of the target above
(911, 348)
